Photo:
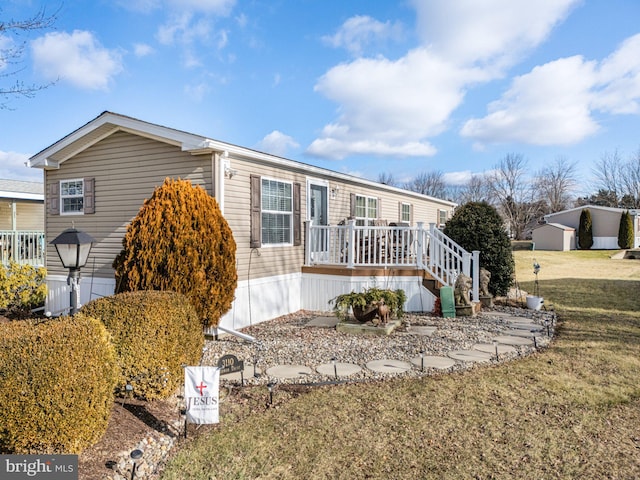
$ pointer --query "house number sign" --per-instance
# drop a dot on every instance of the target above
(230, 364)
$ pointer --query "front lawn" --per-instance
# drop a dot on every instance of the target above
(571, 411)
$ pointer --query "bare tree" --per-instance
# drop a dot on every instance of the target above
(12, 52)
(388, 179)
(475, 190)
(555, 184)
(608, 172)
(631, 182)
(428, 183)
(513, 194)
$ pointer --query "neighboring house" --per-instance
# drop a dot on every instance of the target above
(553, 236)
(291, 253)
(605, 223)
(21, 222)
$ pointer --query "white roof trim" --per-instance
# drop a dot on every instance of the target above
(22, 195)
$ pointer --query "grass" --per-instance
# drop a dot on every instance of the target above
(571, 411)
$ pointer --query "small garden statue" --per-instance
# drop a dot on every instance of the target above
(485, 278)
(461, 290)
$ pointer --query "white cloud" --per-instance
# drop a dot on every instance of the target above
(197, 92)
(277, 143)
(490, 31)
(142, 49)
(394, 107)
(555, 103)
(359, 31)
(6, 44)
(457, 178)
(77, 58)
(391, 105)
(216, 7)
(548, 106)
(12, 167)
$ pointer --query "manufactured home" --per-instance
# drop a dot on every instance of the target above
(605, 223)
(304, 234)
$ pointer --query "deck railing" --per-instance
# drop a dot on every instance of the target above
(22, 246)
(354, 246)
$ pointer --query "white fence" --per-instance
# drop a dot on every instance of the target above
(22, 246)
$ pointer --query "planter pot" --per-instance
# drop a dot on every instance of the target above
(534, 303)
(365, 314)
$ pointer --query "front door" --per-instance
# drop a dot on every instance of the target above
(318, 205)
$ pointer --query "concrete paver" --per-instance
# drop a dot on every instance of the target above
(511, 340)
(422, 330)
(388, 366)
(470, 355)
(489, 348)
(342, 369)
(288, 371)
(433, 361)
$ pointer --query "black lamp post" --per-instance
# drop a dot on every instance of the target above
(73, 247)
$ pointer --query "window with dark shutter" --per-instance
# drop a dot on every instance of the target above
(256, 212)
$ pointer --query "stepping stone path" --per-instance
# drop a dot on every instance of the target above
(433, 361)
(470, 355)
(420, 330)
(389, 366)
(511, 340)
(341, 369)
(489, 348)
(288, 371)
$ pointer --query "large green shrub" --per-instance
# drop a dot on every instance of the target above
(478, 226)
(22, 287)
(56, 384)
(154, 334)
(180, 242)
(585, 230)
(625, 231)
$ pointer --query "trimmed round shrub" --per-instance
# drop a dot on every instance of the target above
(56, 384)
(180, 242)
(154, 334)
(585, 230)
(478, 226)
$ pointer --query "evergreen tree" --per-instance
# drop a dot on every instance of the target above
(585, 230)
(478, 226)
(625, 232)
(180, 242)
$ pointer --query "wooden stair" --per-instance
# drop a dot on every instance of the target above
(431, 284)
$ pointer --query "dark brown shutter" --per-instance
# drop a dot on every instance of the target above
(256, 212)
(297, 225)
(89, 203)
(53, 198)
(352, 206)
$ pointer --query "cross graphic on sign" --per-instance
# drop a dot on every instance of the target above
(201, 387)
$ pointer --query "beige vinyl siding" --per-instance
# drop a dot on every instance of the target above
(605, 222)
(268, 260)
(126, 169)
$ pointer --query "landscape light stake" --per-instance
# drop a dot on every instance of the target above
(495, 345)
(255, 363)
(335, 367)
(546, 324)
(422, 360)
(535, 341)
(127, 388)
(135, 455)
(270, 387)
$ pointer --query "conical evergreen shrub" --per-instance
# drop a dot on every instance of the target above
(625, 232)
(478, 226)
(585, 230)
(180, 242)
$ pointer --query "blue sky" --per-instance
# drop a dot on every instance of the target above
(357, 86)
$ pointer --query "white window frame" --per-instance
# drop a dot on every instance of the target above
(264, 211)
(408, 212)
(442, 212)
(76, 195)
(366, 219)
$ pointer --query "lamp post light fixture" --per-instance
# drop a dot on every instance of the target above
(422, 360)
(547, 324)
(335, 367)
(73, 247)
(535, 340)
(495, 346)
(135, 456)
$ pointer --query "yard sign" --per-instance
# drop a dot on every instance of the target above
(201, 387)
